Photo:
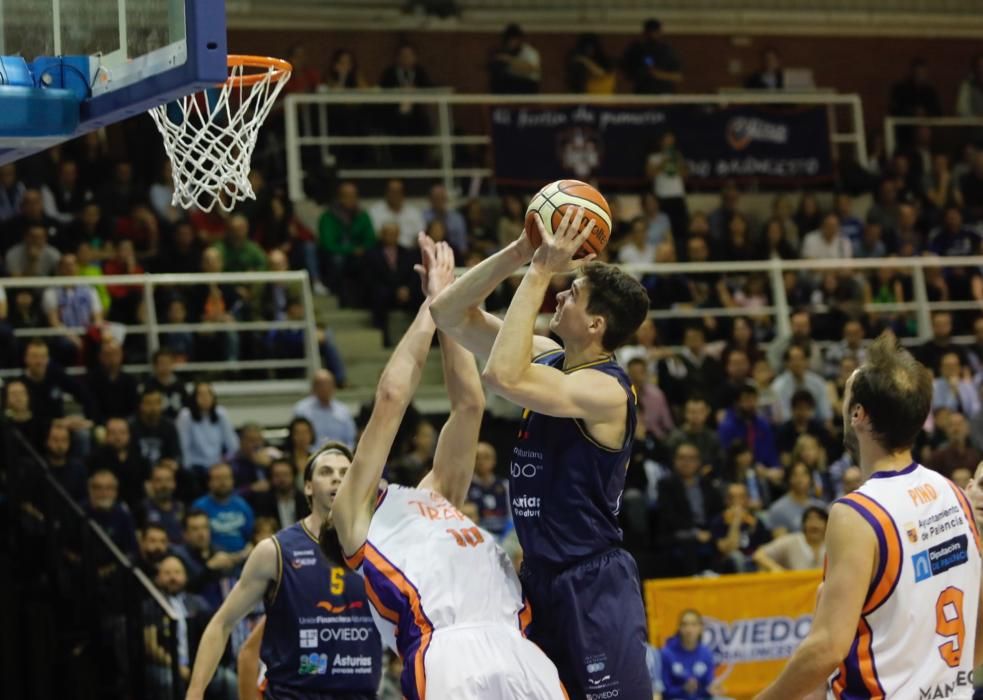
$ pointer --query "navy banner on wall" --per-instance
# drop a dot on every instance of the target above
(772, 145)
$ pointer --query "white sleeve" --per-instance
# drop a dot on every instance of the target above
(96, 302)
(49, 300)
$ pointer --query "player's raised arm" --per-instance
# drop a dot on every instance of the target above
(453, 463)
(851, 549)
(260, 570)
(353, 504)
(510, 371)
(457, 311)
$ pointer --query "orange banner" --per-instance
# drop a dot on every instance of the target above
(752, 622)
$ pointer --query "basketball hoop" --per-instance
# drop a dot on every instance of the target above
(210, 136)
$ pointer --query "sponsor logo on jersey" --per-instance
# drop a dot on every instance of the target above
(313, 665)
(963, 679)
(308, 639)
(526, 464)
(755, 639)
(912, 530)
(942, 522)
(940, 558)
(604, 694)
(305, 561)
(525, 507)
(338, 609)
(347, 665)
(922, 494)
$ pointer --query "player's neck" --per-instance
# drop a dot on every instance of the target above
(575, 355)
(313, 522)
(881, 461)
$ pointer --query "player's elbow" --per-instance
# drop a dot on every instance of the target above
(828, 651)
(443, 313)
(496, 379)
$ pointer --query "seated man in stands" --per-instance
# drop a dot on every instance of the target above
(75, 307)
(107, 512)
(205, 565)
(152, 547)
(331, 418)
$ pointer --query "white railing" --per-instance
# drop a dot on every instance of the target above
(892, 123)
(301, 132)
(151, 328)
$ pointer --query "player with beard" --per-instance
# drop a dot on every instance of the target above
(898, 608)
(319, 642)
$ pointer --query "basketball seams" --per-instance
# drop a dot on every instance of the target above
(549, 204)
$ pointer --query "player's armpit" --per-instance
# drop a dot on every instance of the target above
(586, 394)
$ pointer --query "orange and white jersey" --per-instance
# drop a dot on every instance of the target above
(918, 625)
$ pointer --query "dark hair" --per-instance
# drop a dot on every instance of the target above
(512, 31)
(793, 346)
(652, 25)
(162, 352)
(814, 510)
(895, 391)
(747, 389)
(637, 361)
(148, 390)
(619, 298)
(803, 396)
(682, 444)
(193, 513)
(795, 465)
(351, 79)
(153, 526)
(734, 450)
(196, 410)
(298, 420)
(330, 446)
(283, 460)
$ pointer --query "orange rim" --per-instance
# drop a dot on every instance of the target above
(281, 69)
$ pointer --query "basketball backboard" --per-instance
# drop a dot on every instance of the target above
(140, 53)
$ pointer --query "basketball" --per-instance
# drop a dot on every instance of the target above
(551, 202)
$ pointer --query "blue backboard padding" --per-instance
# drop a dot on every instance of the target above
(65, 72)
(30, 112)
(206, 66)
(14, 71)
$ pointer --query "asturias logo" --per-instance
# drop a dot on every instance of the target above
(338, 609)
(741, 131)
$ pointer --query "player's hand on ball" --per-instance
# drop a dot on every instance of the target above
(556, 252)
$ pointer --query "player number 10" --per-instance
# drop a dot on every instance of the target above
(949, 623)
(469, 537)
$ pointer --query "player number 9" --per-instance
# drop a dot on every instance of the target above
(949, 623)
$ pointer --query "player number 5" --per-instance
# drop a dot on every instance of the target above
(337, 580)
(949, 623)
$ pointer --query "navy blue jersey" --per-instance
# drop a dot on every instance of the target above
(565, 486)
(493, 504)
(319, 637)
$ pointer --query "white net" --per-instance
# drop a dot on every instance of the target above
(210, 137)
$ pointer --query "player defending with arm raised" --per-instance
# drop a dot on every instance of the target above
(568, 467)
(443, 594)
(897, 611)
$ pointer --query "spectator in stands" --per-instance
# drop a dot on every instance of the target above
(915, 96)
(743, 422)
(229, 516)
(18, 413)
(802, 421)
(390, 278)
(164, 380)
(666, 168)
(785, 514)
(344, 234)
(299, 445)
(514, 67)
(206, 431)
(32, 214)
(114, 392)
(871, 243)
(694, 431)
(650, 63)
(687, 663)
(741, 469)
(11, 193)
(393, 208)
(193, 613)
(160, 507)
(952, 238)
(126, 299)
(953, 389)
(737, 373)
(454, 223)
(119, 194)
(239, 254)
(155, 434)
(67, 470)
(637, 249)
(658, 227)
(852, 344)
(182, 254)
(284, 501)
(730, 206)
(63, 198)
(770, 76)
(773, 242)
(161, 194)
(512, 220)
(971, 189)
(251, 462)
(797, 551)
(71, 307)
(828, 242)
(47, 384)
(331, 418)
(797, 376)
(800, 322)
(406, 118)
(974, 350)
(969, 102)
(588, 67)
(32, 257)
(152, 546)
(8, 344)
(851, 480)
(488, 492)
(884, 211)
(932, 351)
(108, 513)
(737, 532)
(957, 452)
(119, 455)
(410, 468)
(810, 452)
(206, 566)
(850, 226)
(693, 370)
(657, 417)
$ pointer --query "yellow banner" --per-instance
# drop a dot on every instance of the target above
(752, 622)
